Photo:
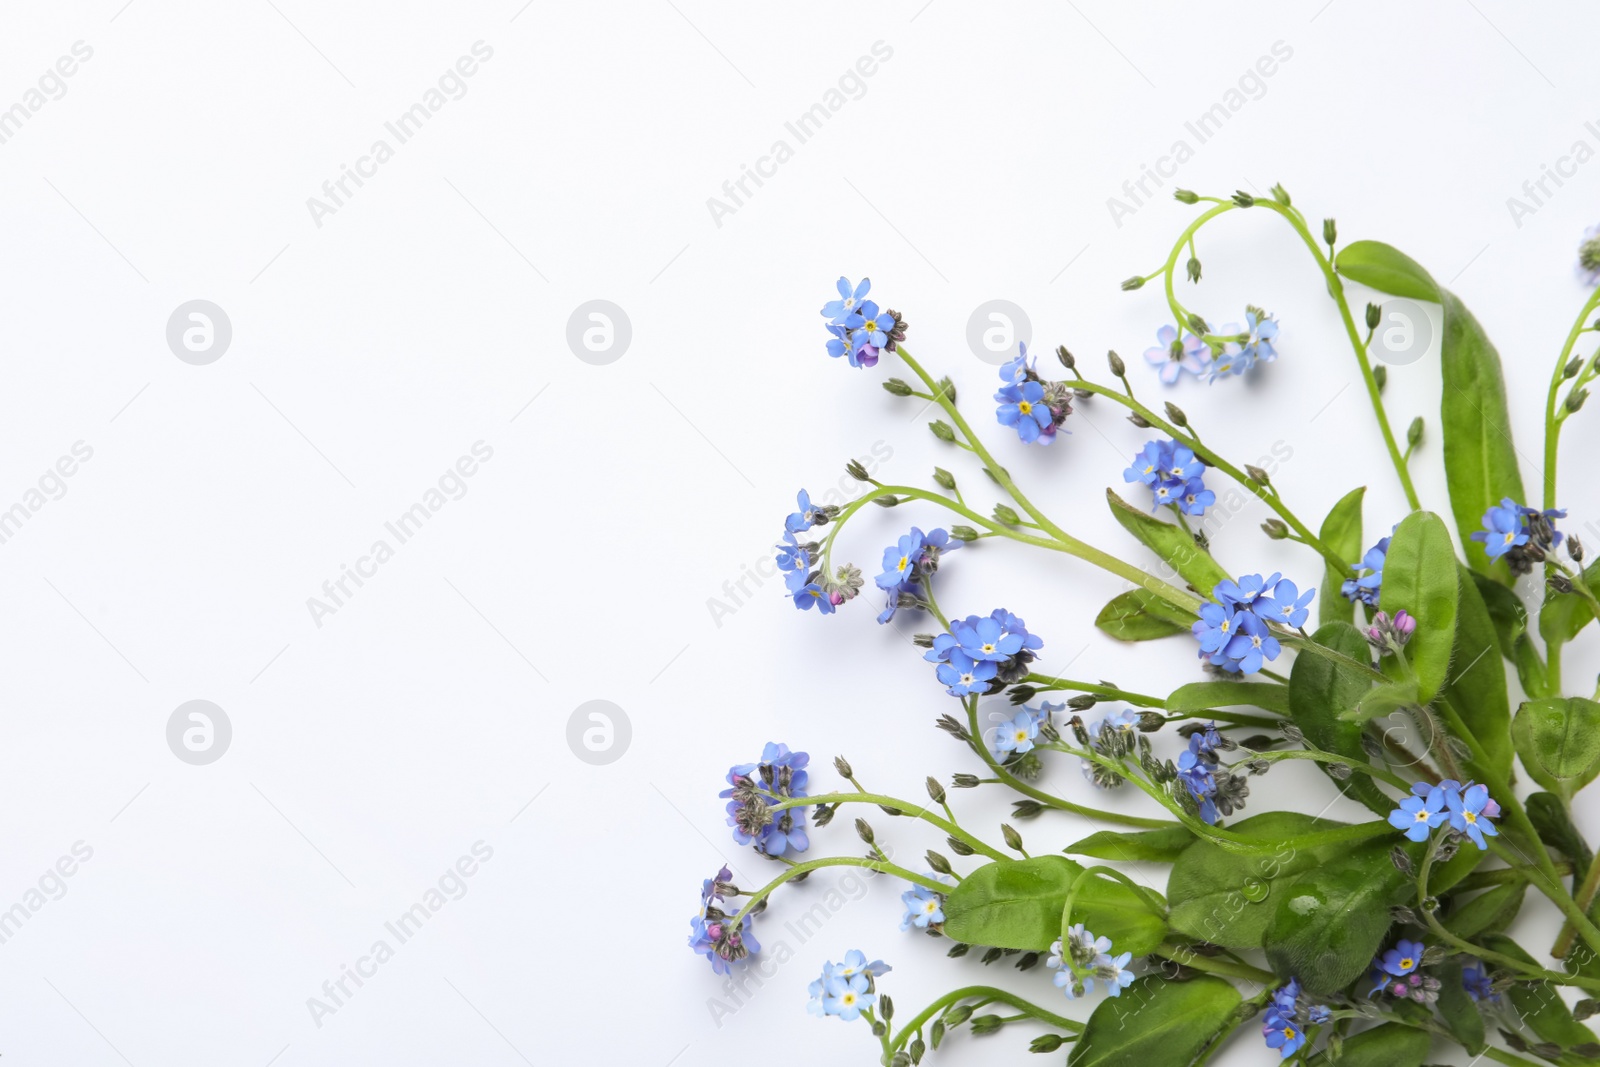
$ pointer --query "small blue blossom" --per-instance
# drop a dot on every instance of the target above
(1174, 476)
(986, 639)
(792, 556)
(1192, 356)
(1246, 591)
(1478, 984)
(870, 325)
(807, 594)
(805, 517)
(854, 963)
(1016, 369)
(1217, 626)
(779, 775)
(1252, 647)
(1365, 588)
(1470, 812)
(1287, 605)
(1023, 407)
(840, 311)
(1503, 529)
(1149, 465)
(1018, 734)
(1083, 958)
(923, 906)
(1282, 1034)
(978, 650)
(1418, 816)
(1113, 971)
(1228, 361)
(964, 676)
(1207, 741)
(1196, 773)
(848, 997)
(1261, 330)
(1405, 957)
(715, 936)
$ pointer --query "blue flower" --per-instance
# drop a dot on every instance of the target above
(1319, 1014)
(1478, 984)
(848, 997)
(1261, 330)
(807, 594)
(986, 638)
(1217, 626)
(1230, 360)
(1418, 816)
(1282, 1034)
(1365, 588)
(923, 906)
(1286, 605)
(1192, 356)
(779, 775)
(716, 937)
(1286, 998)
(1113, 971)
(963, 676)
(1149, 464)
(1252, 646)
(1470, 812)
(1023, 407)
(1195, 498)
(900, 561)
(840, 311)
(1018, 734)
(1195, 773)
(870, 326)
(806, 517)
(1206, 741)
(855, 962)
(1246, 591)
(1503, 529)
(1405, 957)
(1016, 369)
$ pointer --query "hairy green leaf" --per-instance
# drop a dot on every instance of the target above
(1157, 1023)
(1558, 741)
(1331, 920)
(1170, 542)
(1138, 615)
(1511, 630)
(1150, 846)
(1490, 912)
(1419, 576)
(1018, 904)
(1389, 1045)
(1321, 691)
(1202, 696)
(1341, 532)
(1476, 686)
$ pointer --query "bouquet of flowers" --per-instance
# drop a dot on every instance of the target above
(1369, 942)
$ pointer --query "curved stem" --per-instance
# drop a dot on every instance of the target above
(916, 811)
(1552, 424)
(990, 994)
(881, 866)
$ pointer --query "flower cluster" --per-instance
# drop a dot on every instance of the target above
(846, 989)
(907, 564)
(712, 932)
(1172, 358)
(1466, 808)
(1029, 404)
(1521, 535)
(1173, 475)
(1288, 1014)
(1216, 792)
(859, 329)
(807, 586)
(780, 775)
(1396, 973)
(1082, 959)
(1364, 588)
(981, 654)
(1112, 737)
(1233, 629)
(1254, 345)
(1388, 636)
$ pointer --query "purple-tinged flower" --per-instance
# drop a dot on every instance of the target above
(840, 311)
(779, 775)
(1470, 814)
(1418, 815)
(1196, 773)
(1172, 360)
(1286, 604)
(1389, 635)
(719, 939)
(1365, 588)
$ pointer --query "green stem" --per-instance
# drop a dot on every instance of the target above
(881, 866)
(1552, 424)
(990, 994)
(1138, 700)
(1584, 897)
(1186, 956)
(917, 811)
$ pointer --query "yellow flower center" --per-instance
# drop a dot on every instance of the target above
(1469, 816)
(1408, 963)
(1025, 407)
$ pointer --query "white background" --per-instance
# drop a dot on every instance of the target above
(429, 313)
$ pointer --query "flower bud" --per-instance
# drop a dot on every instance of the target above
(1185, 196)
(1013, 839)
(1065, 357)
(1257, 475)
(1006, 516)
(1280, 194)
(1139, 421)
(1401, 860)
(1401, 914)
(1021, 694)
(1118, 368)
(958, 1015)
(1046, 1042)
(945, 479)
(1132, 284)
(1151, 721)
(942, 430)
(1330, 231)
(1293, 733)
(886, 1007)
(964, 781)
(1275, 529)
(1575, 549)
(1244, 199)
(986, 1024)
(1192, 269)
(1414, 432)
(924, 641)
(963, 533)
(1374, 316)
(855, 470)
(1380, 374)
(864, 831)
(1175, 413)
(935, 790)
(1083, 702)
(1340, 771)
(1576, 398)
(1573, 367)
(1560, 583)
(1025, 809)
(842, 765)
(1198, 325)
(897, 387)
(886, 501)
(937, 863)
(947, 388)
(959, 847)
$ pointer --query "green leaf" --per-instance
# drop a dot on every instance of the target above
(1320, 692)
(1150, 846)
(1419, 576)
(1157, 1023)
(1540, 1005)
(1554, 826)
(1330, 921)
(1558, 741)
(1228, 899)
(1458, 1009)
(1170, 542)
(1511, 630)
(1490, 912)
(1138, 615)
(1480, 460)
(1476, 687)
(1389, 1045)
(1386, 269)
(1203, 696)
(1018, 904)
(1564, 615)
(1341, 532)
